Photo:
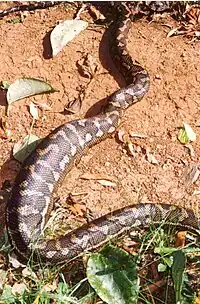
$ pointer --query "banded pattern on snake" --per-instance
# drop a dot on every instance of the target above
(31, 199)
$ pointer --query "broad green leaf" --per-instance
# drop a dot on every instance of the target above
(65, 32)
(164, 250)
(22, 150)
(112, 273)
(178, 268)
(186, 134)
(25, 87)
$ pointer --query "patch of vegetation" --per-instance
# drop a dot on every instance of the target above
(154, 271)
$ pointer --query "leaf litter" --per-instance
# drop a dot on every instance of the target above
(65, 32)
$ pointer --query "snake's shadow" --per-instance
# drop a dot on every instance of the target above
(107, 62)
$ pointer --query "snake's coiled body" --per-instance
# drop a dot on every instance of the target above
(31, 200)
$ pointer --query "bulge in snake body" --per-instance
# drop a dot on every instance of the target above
(31, 199)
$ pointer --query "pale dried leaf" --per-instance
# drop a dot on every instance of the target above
(18, 288)
(107, 183)
(25, 87)
(78, 209)
(74, 106)
(196, 192)
(131, 149)
(65, 32)
(133, 134)
(96, 13)
(26, 272)
(43, 105)
(3, 275)
(14, 261)
(34, 110)
(191, 175)
(22, 149)
(90, 176)
(191, 149)
(49, 287)
(190, 133)
(120, 135)
(88, 66)
(150, 157)
(174, 31)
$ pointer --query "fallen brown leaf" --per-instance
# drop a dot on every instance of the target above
(180, 239)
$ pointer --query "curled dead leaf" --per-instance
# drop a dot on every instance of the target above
(120, 135)
(180, 239)
(130, 148)
(88, 66)
(96, 13)
(74, 106)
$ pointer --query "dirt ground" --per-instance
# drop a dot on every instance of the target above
(173, 99)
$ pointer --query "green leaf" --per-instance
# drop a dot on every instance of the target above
(7, 297)
(16, 20)
(5, 85)
(25, 87)
(178, 268)
(112, 273)
(161, 267)
(65, 32)
(164, 250)
(22, 150)
(186, 134)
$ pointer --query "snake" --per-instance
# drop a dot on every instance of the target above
(31, 199)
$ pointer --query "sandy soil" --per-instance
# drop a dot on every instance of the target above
(174, 97)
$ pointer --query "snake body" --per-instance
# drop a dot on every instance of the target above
(31, 199)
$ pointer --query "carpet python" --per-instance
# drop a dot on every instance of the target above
(31, 198)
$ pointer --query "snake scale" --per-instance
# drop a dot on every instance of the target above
(31, 198)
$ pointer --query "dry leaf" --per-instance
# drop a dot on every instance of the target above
(174, 31)
(96, 176)
(191, 149)
(191, 175)
(74, 106)
(34, 110)
(120, 135)
(14, 262)
(88, 66)
(107, 183)
(19, 288)
(26, 272)
(196, 192)
(78, 209)
(131, 150)
(65, 32)
(150, 157)
(43, 106)
(97, 14)
(133, 134)
(5, 131)
(22, 149)
(180, 239)
(25, 87)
